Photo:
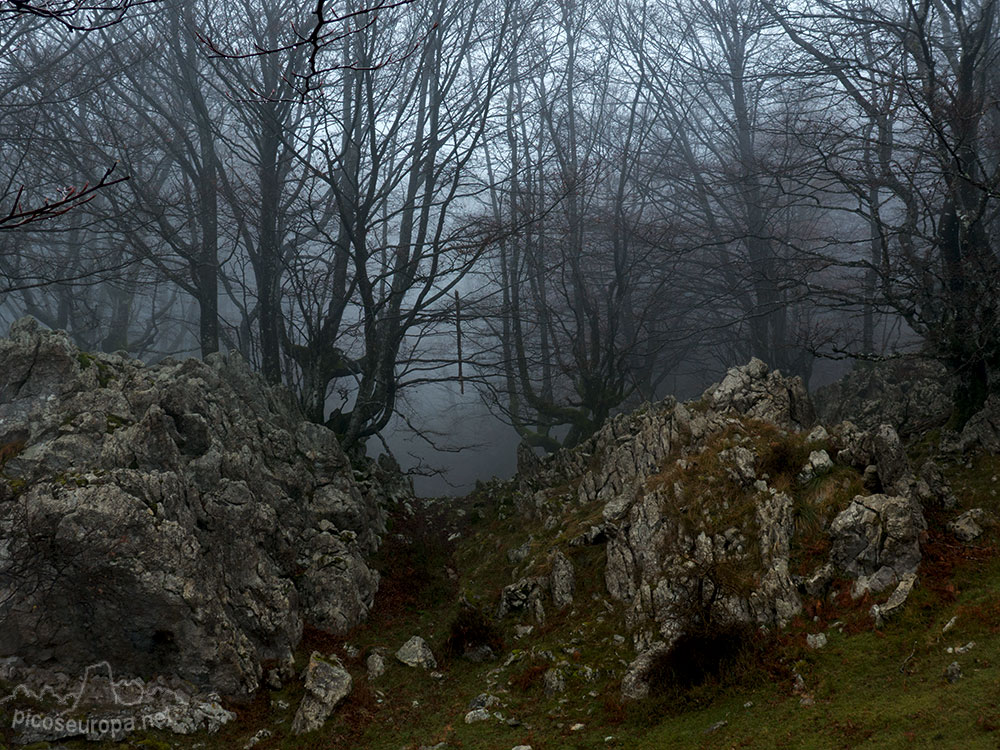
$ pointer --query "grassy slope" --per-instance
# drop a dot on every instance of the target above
(869, 688)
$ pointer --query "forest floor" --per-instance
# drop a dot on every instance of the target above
(868, 687)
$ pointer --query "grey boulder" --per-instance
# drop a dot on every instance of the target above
(416, 653)
(180, 518)
(877, 539)
(968, 526)
(562, 580)
(327, 683)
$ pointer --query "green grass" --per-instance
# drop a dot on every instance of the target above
(977, 485)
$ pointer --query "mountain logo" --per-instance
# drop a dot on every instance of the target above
(93, 708)
(98, 687)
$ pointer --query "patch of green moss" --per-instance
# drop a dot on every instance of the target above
(17, 484)
(74, 479)
(104, 372)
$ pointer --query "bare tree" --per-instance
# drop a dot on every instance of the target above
(735, 173)
(388, 243)
(923, 166)
(24, 24)
(584, 272)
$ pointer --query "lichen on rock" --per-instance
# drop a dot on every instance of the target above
(703, 508)
(180, 517)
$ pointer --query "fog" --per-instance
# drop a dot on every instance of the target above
(450, 227)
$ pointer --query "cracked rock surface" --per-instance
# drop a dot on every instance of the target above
(180, 518)
(697, 506)
(878, 537)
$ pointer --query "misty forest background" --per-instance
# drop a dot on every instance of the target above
(448, 223)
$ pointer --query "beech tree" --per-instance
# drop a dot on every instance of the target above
(58, 262)
(406, 109)
(619, 194)
(38, 43)
(921, 80)
(583, 317)
(45, 23)
(715, 76)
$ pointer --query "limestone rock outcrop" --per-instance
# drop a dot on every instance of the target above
(760, 393)
(562, 579)
(968, 526)
(699, 505)
(876, 539)
(525, 595)
(180, 518)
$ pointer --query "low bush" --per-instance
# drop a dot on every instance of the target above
(723, 654)
(530, 678)
(782, 456)
(470, 629)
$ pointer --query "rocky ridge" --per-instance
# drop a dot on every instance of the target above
(703, 509)
(916, 397)
(735, 510)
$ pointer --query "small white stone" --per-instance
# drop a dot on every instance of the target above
(816, 641)
(416, 653)
(818, 434)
